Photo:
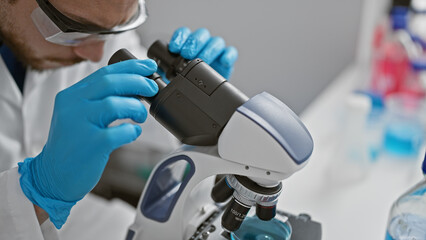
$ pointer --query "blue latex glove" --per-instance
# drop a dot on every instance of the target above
(200, 44)
(80, 141)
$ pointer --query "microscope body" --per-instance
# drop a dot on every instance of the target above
(255, 143)
(177, 201)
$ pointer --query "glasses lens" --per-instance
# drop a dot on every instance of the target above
(52, 33)
(44, 24)
(135, 21)
(74, 39)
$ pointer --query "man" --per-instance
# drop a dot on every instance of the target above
(56, 108)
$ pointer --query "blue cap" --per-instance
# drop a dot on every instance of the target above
(399, 10)
(399, 17)
(377, 101)
(424, 165)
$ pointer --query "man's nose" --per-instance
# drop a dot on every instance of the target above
(91, 51)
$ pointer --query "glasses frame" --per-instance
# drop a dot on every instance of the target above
(66, 24)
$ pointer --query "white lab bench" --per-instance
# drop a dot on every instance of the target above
(357, 210)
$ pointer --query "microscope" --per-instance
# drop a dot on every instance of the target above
(236, 151)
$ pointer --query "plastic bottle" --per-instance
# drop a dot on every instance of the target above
(374, 124)
(407, 220)
(403, 133)
(352, 154)
(390, 66)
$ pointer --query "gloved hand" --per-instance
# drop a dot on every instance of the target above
(200, 44)
(80, 141)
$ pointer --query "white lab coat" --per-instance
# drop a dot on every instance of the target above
(24, 127)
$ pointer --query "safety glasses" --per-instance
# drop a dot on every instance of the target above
(60, 29)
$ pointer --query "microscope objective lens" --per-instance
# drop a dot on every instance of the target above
(234, 215)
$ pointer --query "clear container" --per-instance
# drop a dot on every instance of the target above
(352, 155)
(253, 228)
(374, 124)
(404, 133)
(407, 220)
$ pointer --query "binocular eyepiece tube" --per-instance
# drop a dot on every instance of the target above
(197, 103)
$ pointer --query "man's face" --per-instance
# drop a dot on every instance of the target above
(19, 32)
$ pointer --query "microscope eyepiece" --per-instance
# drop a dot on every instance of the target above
(169, 62)
(123, 55)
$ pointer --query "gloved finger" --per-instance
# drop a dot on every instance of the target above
(120, 85)
(109, 109)
(224, 64)
(226, 72)
(229, 56)
(195, 43)
(179, 37)
(115, 137)
(214, 47)
(144, 67)
(163, 76)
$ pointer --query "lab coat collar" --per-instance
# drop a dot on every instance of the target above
(9, 91)
(34, 79)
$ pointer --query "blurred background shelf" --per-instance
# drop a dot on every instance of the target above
(355, 210)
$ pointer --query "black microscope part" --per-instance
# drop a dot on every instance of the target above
(170, 63)
(234, 215)
(266, 213)
(221, 191)
(198, 102)
(123, 55)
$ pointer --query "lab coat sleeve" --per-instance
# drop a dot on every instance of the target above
(17, 216)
